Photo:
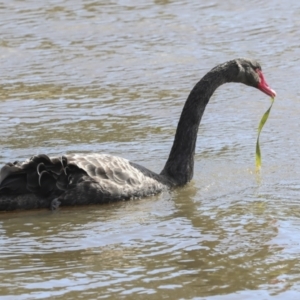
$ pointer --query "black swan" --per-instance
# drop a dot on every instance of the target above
(75, 179)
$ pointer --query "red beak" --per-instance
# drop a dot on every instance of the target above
(263, 86)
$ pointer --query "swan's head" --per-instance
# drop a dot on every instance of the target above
(250, 73)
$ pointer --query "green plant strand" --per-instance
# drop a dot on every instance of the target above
(260, 127)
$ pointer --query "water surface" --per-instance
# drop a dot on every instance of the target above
(112, 77)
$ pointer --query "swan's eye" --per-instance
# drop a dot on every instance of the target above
(259, 73)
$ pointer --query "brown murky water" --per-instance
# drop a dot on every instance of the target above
(112, 77)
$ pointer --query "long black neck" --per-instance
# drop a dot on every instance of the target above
(179, 167)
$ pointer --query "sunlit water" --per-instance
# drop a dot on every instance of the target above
(84, 76)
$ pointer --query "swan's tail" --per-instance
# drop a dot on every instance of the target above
(33, 183)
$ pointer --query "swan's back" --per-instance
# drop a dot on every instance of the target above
(74, 179)
(117, 177)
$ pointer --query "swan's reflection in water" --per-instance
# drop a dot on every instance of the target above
(166, 243)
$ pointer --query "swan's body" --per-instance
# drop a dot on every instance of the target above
(86, 179)
(99, 178)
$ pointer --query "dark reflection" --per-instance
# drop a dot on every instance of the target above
(240, 257)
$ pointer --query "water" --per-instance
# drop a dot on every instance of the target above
(87, 76)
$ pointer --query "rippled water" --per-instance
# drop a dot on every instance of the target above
(112, 77)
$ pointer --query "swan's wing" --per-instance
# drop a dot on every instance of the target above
(25, 177)
(114, 177)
